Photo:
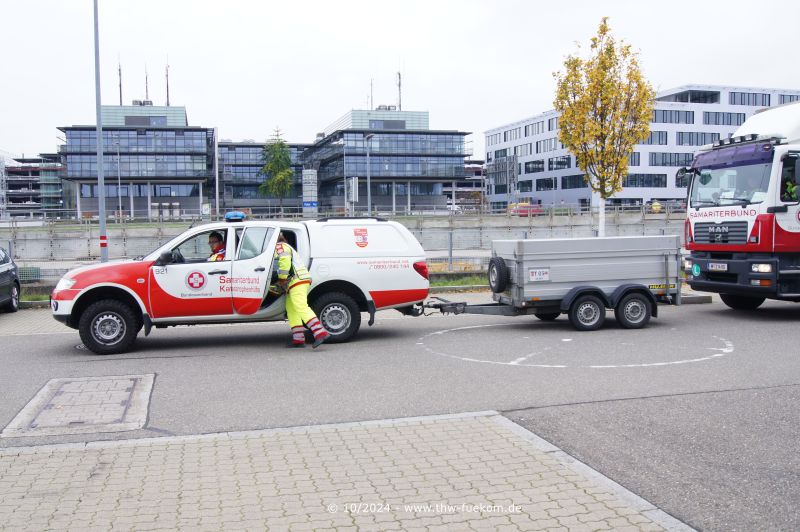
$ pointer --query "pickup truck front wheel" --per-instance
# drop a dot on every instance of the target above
(339, 315)
(108, 327)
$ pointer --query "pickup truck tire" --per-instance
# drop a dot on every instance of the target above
(741, 302)
(633, 311)
(587, 313)
(498, 274)
(108, 327)
(13, 303)
(339, 315)
(547, 316)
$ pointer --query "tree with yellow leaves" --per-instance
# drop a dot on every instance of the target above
(606, 106)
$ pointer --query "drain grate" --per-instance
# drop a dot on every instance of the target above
(85, 405)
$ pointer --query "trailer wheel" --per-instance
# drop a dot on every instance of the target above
(547, 316)
(498, 274)
(633, 311)
(741, 302)
(587, 313)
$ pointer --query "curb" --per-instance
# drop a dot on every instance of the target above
(34, 304)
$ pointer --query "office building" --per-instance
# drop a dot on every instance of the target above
(155, 164)
(31, 188)
(527, 163)
(409, 164)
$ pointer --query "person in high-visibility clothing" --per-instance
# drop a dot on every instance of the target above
(217, 245)
(294, 279)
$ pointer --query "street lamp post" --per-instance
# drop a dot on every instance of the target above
(367, 141)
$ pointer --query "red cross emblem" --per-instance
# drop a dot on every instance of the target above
(196, 280)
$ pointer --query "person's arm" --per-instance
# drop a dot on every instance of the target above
(284, 263)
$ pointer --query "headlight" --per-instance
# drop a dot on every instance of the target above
(761, 268)
(65, 283)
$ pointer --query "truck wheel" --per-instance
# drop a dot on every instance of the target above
(13, 304)
(741, 302)
(498, 274)
(633, 311)
(587, 313)
(339, 315)
(547, 316)
(108, 327)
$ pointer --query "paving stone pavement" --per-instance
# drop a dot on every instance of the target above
(475, 471)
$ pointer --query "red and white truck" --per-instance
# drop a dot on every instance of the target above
(743, 215)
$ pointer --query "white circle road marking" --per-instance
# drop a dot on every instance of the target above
(726, 349)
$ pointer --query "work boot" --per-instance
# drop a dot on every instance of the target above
(320, 339)
(293, 344)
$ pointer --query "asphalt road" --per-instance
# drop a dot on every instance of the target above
(696, 413)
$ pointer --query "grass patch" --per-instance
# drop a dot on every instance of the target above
(33, 297)
(463, 281)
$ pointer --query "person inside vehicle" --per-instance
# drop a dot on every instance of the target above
(294, 279)
(217, 245)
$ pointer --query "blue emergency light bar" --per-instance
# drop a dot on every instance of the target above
(235, 216)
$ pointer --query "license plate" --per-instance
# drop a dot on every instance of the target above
(717, 267)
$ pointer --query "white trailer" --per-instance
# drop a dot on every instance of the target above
(581, 277)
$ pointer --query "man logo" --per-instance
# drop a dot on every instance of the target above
(196, 280)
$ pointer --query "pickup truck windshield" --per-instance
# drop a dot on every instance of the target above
(732, 185)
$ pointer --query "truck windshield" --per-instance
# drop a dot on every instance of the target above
(732, 185)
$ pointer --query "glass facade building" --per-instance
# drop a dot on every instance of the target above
(155, 168)
(240, 166)
(408, 168)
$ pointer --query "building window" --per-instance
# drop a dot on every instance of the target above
(723, 119)
(532, 167)
(522, 150)
(788, 98)
(511, 134)
(546, 145)
(663, 116)
(501, 154)
(671, 159)
(634, 159)
(559, 163)
(573, 181)
(552, 124)
(645, 180)
(534, 129)
(546, 183)
(749, 98)
(695, 138)
(656, 137)
(525, 186)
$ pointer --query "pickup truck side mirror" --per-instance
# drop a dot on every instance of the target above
(164, 259)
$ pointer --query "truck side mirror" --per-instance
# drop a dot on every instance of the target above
(164, 259)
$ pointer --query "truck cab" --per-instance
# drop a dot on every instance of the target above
(743, 215)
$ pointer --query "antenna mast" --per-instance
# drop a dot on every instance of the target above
(371, 97)
(167, 82)
(146, 89)
(399, 93)
(119, 69)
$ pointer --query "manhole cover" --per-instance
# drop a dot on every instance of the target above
(85, 405)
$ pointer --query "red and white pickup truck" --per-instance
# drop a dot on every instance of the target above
(357, 265)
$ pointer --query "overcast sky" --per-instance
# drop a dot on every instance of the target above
(247, 67)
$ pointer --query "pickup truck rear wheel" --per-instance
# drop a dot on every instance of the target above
(108, 327)
(339, 315)
(741, 302)
(587, 313)
(633, 311)
(498, 274)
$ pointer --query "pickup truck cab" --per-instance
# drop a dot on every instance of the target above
(357, 265)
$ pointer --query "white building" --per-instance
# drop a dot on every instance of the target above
(525, 162)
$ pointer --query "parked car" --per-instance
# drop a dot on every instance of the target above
(9, 283)
(525, 209)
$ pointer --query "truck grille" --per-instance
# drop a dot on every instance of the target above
(721, 233)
